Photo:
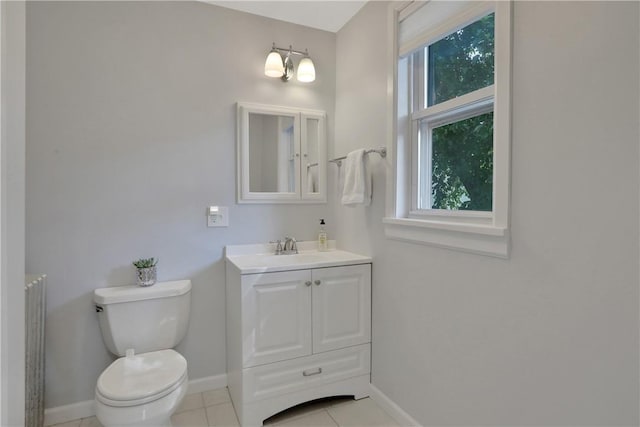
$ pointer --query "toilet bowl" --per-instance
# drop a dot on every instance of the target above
(141, 390)
(148, 382)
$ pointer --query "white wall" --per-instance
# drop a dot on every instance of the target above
(550, 336)
(131, 135)
(12, 208)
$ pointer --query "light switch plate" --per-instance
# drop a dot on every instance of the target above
(219, 218)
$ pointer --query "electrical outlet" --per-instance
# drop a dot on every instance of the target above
(217, 216)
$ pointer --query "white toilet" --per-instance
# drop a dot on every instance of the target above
(143, 324)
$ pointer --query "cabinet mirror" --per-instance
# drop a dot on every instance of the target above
(281, 154)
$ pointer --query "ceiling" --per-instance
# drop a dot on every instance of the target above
(324, 15)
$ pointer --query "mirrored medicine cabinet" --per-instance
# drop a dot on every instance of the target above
(282, 154)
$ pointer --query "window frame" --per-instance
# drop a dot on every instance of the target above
(480, 232)
(478, 102)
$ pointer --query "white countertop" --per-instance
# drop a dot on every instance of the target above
(250, 259)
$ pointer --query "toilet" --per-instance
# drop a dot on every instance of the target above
(147, 383)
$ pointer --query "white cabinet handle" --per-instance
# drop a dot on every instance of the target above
(315, 372)
(317, 282)
(308, 283)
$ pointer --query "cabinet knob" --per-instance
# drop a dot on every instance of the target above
(308, 283)
(317, 282)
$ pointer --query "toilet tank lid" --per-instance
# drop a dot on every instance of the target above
(117, 294)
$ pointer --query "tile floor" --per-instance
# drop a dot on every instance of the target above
(214, 408)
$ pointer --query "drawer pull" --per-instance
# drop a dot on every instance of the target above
(308, 283)
(308, 374)
(317, 282)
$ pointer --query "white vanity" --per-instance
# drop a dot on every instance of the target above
(298, 327)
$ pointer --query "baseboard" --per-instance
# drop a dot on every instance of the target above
(207, 383)
(391, 408)
(62, 414)
(74, 411)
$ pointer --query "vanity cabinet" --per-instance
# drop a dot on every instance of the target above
(295, 336)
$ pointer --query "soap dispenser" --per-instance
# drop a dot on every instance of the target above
(322, 238)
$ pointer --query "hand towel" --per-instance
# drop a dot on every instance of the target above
(357, 182)
(311, 182)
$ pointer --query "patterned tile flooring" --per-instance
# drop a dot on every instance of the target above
(214, 409)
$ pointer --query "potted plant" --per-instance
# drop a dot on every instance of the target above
(146, 271)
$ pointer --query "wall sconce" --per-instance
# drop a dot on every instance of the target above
(281, 65)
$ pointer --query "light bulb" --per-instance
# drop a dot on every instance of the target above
(306, 70)
(273, 66)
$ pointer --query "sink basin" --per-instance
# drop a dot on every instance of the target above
(266, 262)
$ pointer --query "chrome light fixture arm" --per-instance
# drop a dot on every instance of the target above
(290, 50)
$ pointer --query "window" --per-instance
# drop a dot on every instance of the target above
(452, 128)
(455, 166)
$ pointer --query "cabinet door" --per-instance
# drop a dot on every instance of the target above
(276, 320)
(341, 307)
(314, 156)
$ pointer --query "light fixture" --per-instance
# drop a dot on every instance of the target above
(281, 65)
(306, 70)
(274, 66)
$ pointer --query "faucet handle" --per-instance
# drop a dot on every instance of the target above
(294, 246)
(278, 246)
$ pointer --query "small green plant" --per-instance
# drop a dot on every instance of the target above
(145, 262)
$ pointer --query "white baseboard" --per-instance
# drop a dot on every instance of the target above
(62, 414)
(207, 383)
(74, 411)
(391, 408)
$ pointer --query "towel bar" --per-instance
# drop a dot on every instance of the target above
(382, 151)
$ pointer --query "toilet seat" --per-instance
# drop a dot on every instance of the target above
(143, 378)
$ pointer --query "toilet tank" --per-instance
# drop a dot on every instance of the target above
(143, 318)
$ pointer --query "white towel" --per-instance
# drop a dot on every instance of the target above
(311, 182)
(357, 182)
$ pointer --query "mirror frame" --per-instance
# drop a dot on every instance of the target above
(301, 141)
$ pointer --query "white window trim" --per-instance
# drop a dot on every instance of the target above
(485, 233)
(463, 107)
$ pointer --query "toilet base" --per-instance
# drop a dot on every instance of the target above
(152, 414)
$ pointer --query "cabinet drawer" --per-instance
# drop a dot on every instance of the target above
(275, 379)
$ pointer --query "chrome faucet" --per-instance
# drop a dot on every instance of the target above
(290, 246)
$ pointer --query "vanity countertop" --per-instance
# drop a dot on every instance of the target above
(251, 259)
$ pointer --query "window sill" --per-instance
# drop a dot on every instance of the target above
(475, 238)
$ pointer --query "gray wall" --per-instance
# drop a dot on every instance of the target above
(12, 208)
(130, 117)
(550, 336)
(131, 135)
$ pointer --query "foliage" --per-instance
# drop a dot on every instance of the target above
(145, 262)
(462, 169)
(463, 164)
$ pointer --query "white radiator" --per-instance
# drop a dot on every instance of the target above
(35, 312)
